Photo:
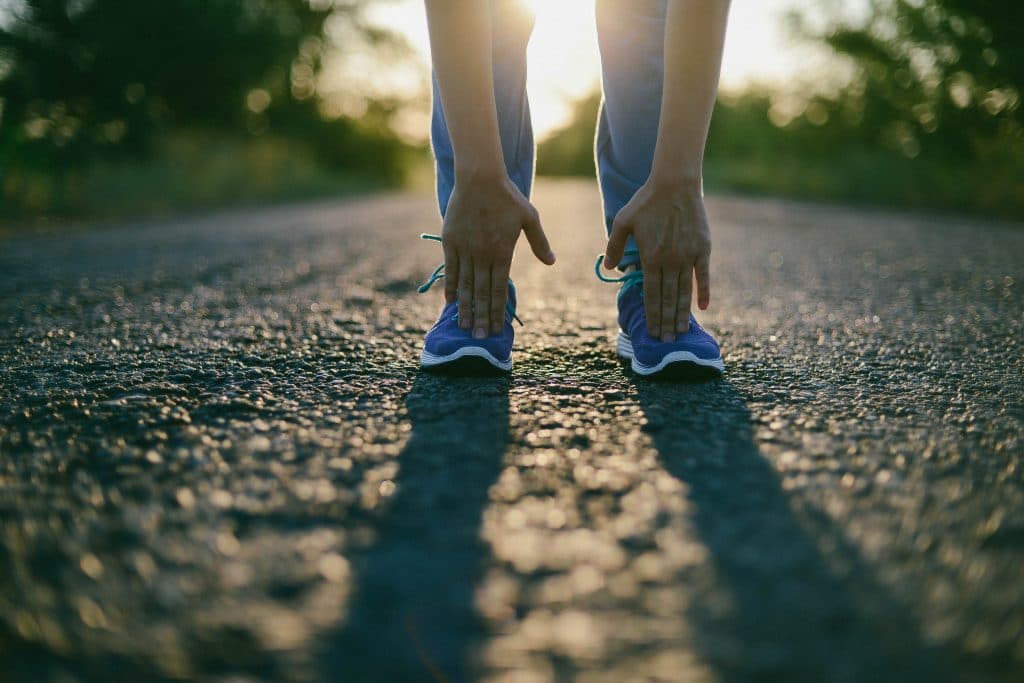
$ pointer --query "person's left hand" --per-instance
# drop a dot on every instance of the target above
(671, 230)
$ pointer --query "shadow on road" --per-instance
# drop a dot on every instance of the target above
(782, 608)
(412, 617)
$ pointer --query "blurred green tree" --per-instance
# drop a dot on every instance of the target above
(942, 77)
(84, 81)
(78, 76)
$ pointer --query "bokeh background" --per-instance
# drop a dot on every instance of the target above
(121, 108)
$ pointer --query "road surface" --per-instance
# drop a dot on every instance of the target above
(219, 462)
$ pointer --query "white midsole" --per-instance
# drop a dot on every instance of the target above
(429, 360)
(625, 349)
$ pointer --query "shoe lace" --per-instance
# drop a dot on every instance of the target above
(438, 274)
(627, 280)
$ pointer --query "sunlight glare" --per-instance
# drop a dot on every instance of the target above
(563, 59)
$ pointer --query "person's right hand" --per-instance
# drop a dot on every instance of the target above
(481, 227)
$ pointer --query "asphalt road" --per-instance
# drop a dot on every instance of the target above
(218, 460)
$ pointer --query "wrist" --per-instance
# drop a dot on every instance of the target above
(677, 181)
(478, 171)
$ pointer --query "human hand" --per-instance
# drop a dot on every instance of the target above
(481, 226)
(671, 230)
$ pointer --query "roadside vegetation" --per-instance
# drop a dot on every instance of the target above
(118, 108)
(125, 108)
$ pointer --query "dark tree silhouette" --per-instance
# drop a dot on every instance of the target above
(81, 76)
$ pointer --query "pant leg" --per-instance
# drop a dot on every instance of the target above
(631, 36)
(511, 26)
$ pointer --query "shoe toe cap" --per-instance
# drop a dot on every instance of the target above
(446, 340)
(651, 351)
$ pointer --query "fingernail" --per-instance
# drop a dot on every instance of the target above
(480, 333)
(668, 337)
(551, 257)
(684, 325)
(465, 324)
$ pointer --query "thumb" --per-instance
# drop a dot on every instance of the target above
(537, 239)
(616, 244)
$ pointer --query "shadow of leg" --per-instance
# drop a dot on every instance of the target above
(790, 599)
(412, 616)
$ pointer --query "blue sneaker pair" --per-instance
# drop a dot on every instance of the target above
(694, 354)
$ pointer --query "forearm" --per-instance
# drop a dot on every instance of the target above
(460, 45)
(694, 39)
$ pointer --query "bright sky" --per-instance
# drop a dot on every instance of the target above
(564, 62)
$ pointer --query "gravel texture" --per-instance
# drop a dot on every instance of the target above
(218, 460)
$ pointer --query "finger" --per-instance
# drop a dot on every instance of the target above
(616, 243)
(652, 301)
(499, 297)
(465, 293)
(669, 300)
(703, 269)
(481, 301)
(537, 239)
(451, 275)
(685, 297)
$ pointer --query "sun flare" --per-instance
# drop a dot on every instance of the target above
(562, 60)
(564, 63)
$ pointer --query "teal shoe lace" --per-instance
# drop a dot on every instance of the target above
(627, 280)
(438, 274)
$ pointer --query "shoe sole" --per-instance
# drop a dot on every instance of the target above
(469, 360)
(675, 365)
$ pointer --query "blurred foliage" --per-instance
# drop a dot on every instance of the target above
(939, 77)
(930, 118)
(98, 84)
(749, 152)
(185, 101)
(570, 150)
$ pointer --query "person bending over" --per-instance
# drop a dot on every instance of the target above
(660, 62)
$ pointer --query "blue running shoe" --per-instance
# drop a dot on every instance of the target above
(449, 348)
(692, 355)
